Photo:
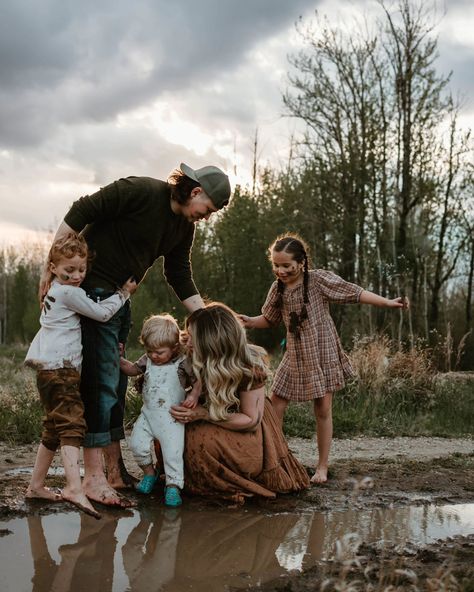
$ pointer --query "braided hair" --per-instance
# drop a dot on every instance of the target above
(295, 246)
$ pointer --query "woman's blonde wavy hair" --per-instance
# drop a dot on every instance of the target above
(222, 357)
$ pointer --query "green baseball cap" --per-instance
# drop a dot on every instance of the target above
(214, 182)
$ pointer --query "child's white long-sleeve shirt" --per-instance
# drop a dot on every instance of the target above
(58, 342)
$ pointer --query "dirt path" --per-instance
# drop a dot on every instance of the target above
(351, 449)
(364, 448)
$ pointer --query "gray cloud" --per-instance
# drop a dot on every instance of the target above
(63, 62)
(70, 70)
(458, 60)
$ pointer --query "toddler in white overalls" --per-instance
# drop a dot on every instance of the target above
(165, 380)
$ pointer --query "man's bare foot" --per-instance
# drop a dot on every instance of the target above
(118, 477)
(80, 500)
(122, 481)
(104, 494)
(119, 481)
(43, 493)
(320, 476)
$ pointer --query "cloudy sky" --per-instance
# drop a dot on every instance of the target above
(94, 90)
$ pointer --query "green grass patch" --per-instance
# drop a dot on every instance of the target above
(299, 420)
(447, 411)
(452, 412)
(20, 408)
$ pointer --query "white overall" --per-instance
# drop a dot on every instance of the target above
(161, 390)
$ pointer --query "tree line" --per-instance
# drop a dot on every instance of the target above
(379, 183)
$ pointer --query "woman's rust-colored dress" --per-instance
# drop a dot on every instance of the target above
(232, 465)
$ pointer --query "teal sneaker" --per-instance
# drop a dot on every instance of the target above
(172, 497)
(146, 484)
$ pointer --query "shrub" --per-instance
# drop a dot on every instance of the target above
(20, 408)
(384, 371)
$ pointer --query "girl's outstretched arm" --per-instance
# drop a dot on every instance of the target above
(367, 297)
(259, 322)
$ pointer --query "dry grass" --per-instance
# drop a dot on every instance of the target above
(384, 370)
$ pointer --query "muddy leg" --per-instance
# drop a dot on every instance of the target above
(117, 475)
(73, 491)
(36, 488)
(323, 413)
(95, 484)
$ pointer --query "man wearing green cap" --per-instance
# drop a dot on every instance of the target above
(128, 225)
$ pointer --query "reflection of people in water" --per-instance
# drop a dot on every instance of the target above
(44, 566)
(87, 564)
(149, 555)
(303, 543)
(169, 549)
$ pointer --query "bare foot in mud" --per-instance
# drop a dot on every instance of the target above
(43, 493)
(320, 476)
(104, 494)
(80, 500)
(117, 475)
(121, 479)
(116, 482)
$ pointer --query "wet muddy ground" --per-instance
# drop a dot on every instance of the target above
(372, 475)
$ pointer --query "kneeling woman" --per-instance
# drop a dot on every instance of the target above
(234, 446)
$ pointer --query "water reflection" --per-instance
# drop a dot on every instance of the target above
(86, 564)
(158, 549)
(150, 553)
(176, 550)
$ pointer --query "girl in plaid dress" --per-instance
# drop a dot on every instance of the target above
(314, 365)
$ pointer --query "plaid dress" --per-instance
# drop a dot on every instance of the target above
(315, 363)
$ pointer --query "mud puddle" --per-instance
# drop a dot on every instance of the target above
(202, 551)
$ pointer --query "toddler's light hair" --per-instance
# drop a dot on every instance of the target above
(160, 331)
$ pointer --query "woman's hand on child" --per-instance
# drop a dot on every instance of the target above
(185, 415)
(245, 320)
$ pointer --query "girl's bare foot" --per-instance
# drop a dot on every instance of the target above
(43, 493)
(80, 500)
(320, 476)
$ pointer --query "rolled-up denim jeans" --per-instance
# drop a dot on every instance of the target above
(103, 386)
